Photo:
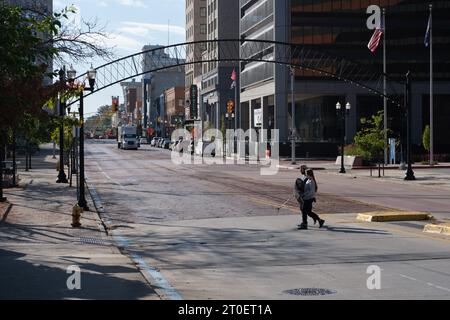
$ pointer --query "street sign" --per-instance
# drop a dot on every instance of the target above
(258, 117)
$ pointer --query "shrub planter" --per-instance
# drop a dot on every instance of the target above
(350, 161)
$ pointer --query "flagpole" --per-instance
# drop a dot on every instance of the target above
(235, 144)
(431, 90)
(236, 104)
(386, 160)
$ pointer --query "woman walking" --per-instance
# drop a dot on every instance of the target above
(309, 197)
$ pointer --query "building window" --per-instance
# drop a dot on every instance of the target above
(202, 12)
(203, 29)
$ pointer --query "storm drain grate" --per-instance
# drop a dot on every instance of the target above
(310, 292)
(94, 241)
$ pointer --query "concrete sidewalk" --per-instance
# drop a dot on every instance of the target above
(38, 245)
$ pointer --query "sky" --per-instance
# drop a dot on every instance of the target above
(130, 25)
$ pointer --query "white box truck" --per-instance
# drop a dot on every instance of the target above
(127, 138)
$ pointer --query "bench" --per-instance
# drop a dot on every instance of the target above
(380, 169)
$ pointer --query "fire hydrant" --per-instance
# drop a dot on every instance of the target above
(76, 216)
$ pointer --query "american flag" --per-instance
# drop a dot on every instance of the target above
(375, 40)
(234, 78)
(234, 75)
(428, 34)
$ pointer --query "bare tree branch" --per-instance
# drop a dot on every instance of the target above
(81, 43)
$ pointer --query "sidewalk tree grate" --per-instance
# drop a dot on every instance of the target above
(94, 241)
(310, 292)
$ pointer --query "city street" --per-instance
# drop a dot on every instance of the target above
(94, 205)
(214, 232)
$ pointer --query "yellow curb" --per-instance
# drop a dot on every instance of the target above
(438, 228)
(393, 216)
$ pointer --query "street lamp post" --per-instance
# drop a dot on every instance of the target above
(343, 113)
(166, 129)
(2, 149)
(62, 178)
(409, 173)
(230, 117)
(91, 75)
(293, 141)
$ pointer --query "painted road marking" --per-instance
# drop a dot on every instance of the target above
(427, 283)
(107, 176)
(161, 285)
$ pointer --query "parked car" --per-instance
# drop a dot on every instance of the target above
(160, 142)
(178, 145)
(154, 141)
(166, 143)
(174, 145)
(192, 147)
(144, 141)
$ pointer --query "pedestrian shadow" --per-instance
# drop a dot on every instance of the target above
(356, 230)
(22, 280)
(36, 233)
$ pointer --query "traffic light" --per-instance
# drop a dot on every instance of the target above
(194, 101)
(230, 106)
(115, 104)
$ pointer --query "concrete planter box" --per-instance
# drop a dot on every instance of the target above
(350, 161)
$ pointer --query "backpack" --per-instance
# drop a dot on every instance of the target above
(299, 189)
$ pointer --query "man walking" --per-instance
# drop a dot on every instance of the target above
(299, 188)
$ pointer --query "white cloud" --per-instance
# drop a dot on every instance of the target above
(124, 42)
(133, 3)
(57, 4)
(144, 29)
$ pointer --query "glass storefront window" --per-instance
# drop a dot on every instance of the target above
(316, 119)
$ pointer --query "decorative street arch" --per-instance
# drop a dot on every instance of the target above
(232, 50)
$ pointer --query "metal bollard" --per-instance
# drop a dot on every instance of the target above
(76, 216)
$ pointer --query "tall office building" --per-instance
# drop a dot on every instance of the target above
(222, 23)
(132, 96)
(44, 7)
(196, 29)
(340, 28)
(263, 84)
(154, 83)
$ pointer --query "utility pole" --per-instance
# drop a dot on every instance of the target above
(410, 173)
(2, 150)
(294, 131)
(386, 160)
(62, 178)
(82, 198)
(431, 90)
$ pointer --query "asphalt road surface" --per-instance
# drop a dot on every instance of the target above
(214, 232)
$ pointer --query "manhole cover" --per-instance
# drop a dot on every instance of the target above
(94, 241)
(310, 292)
